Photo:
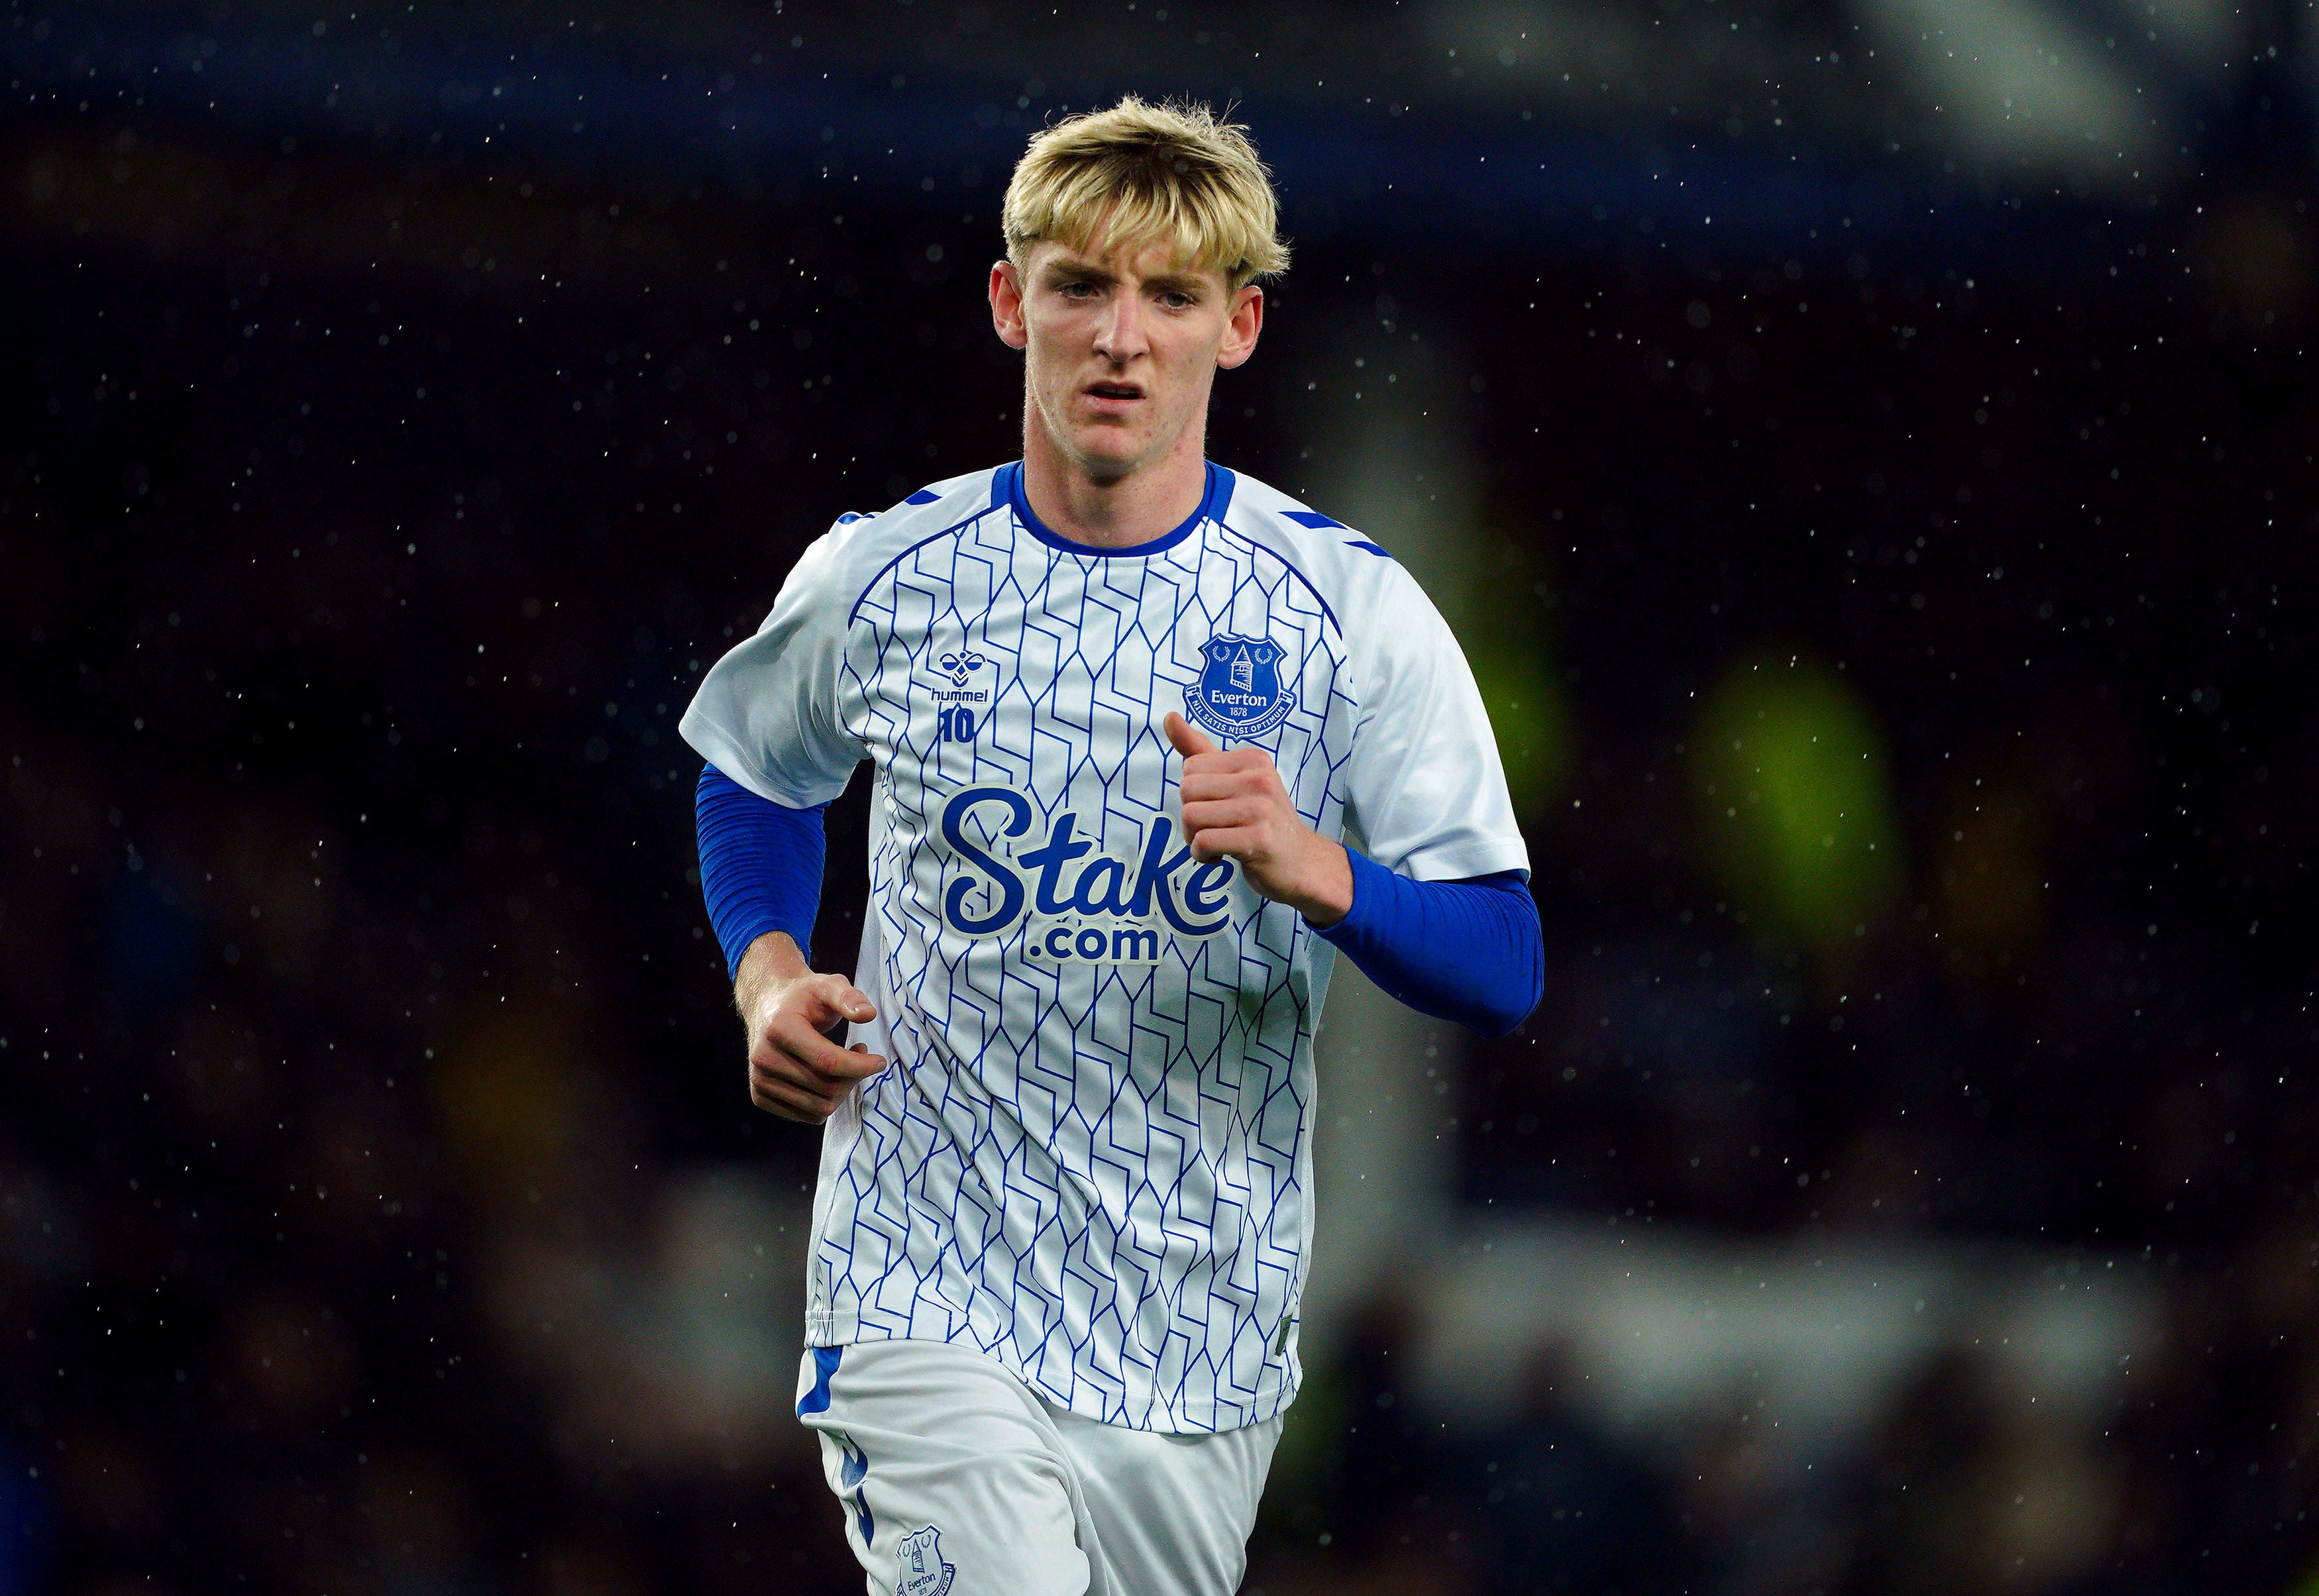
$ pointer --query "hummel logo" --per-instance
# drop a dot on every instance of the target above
(961, 663)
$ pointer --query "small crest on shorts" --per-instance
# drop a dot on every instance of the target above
(1241, 692)
(922, 1570)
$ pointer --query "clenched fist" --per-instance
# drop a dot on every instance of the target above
(794, 1071)
(1235, 808)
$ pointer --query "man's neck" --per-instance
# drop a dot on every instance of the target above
(1145, 504)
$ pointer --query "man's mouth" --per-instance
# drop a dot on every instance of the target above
(1114, 391)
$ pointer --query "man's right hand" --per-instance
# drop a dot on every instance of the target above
(794, 1071)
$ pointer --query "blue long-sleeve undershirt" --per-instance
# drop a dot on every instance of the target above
(760, 864)
(1465, 951)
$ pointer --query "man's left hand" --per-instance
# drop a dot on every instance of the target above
(1235, 808)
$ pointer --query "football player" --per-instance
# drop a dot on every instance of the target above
(1123, 707)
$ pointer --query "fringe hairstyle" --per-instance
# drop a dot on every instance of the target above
(1140, 174)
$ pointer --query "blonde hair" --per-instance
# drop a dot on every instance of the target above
(1142, 174)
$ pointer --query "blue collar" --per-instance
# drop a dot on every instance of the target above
(1006, 485)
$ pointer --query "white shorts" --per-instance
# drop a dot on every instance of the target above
(958, 1480)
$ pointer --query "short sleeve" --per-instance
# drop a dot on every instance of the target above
(1426, 787)
(767, 713)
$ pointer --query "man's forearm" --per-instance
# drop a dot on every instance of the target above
(772, 961)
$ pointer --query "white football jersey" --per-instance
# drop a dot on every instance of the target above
(1091, 1156)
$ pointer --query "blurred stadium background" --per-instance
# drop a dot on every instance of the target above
(1865, 446)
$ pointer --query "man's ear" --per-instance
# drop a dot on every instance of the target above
(1241, 326)
(1006, 306)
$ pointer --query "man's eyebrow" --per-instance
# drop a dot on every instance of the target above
(1086, 270)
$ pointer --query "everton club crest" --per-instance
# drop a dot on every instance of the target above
(1242, 691)
(922, 1570)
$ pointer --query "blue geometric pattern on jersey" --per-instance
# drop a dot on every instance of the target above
(1316, 521)
(1093, 1172)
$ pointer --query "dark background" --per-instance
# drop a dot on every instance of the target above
(402, 407)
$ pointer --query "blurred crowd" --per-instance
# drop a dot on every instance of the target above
(1903, 664)
(2187, 1476)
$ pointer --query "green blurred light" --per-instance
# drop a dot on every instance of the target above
(1792, 786)
(1529, 718)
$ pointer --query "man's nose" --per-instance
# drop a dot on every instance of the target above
(1121, 337)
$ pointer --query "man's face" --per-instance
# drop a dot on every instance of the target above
(1120, 352)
